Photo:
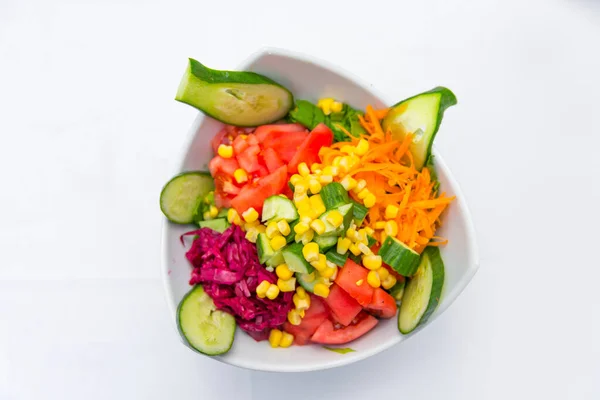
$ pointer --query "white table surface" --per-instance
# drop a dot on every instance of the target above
(89, 132)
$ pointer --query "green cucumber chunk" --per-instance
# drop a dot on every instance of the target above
(334, 195)
(295, 260)
(337, 258)
(330, 230)
(400, 257)
(359, 212)
(202, 326)
(275, 260)
(181, 196)
(292, 235)
(306, 282)
(278, 207)
(325, 242)
(233, 97)
(420, 115)
(422, 292)
(219, 224)
(223, 213)
(263, 248)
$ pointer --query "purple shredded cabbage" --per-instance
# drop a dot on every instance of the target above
(226, 264)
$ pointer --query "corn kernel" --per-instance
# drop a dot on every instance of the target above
(383, 273)
(315, 167)
(320, 264)
(328, 272)
(348, 182)
(360, 185)
(286, 340)
(240, 175)
(272, 292)
(372, 262)
(302, 313)
(318, 226)
(348, 149)
(300, 187)
(293, 317)
(345, 164)
(336, 107)
(369, 200)
(336, 161)
(294, 179)
(251, 225)
(389, 282)
(225, 151)
(321, 290)
(362, 147)
(391, 228)
(354, 249)
(252, 235)
(261, 289)
(391, 211)
(351, 233)
(308, 236)
(261, 228)
(373, 279)
(364, 249)
(363, 194)
(364, 236)
(380, 225)
(325, 105)
(325, 179)
(310, 251)
(303, 169)
(284, 227)
(331, 170)
(360, 282)
(301, 228)
(302, 292)
(317, 205)
(301, 303)
(335, 274)
(306, 219)
(213, 211)
(272, 230)
(277, 242)
(335, 218)
(286, 285)
(369, 230)
(233, 217)
(275, 337)
(298, 197)
(342, 245)
(284, 272)
(250, 215)
(314, 186)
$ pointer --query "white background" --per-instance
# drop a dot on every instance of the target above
(89, 132)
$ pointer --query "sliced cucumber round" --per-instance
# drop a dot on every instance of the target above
(399, 256)
(278, 207)
(306, 282)
(233, 97)
(422, 292)
(180, 197)
(203, 327)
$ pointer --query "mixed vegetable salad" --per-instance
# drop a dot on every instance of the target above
(314, 220)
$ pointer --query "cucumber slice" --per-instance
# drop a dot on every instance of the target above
(325, 242)
(275, 260)
(292, 235)
(202, 326)
(181, 196)
(420, 115)
(359, 212)
(398, 291)
(330, 230)
(223, 213)
(235, 98)
(400, 257)
(336, 258)
(277, 208)
(219, 224)
(304, 281)
(295, 260)
(263, 248)
(423, 291)
(334, 195)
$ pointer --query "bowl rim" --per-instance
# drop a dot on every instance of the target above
(470, 232)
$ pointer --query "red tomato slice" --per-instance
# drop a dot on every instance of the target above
(285, 139)
(219, 165)
(272, 160)
(248, 159)
(383, 304)
(222, 200)
(315, 315)
(308, 151)
(254, 194)
(229, 187)
(262, 171)
(342, 306)
(239, 145)
(347, 278)
(266, 130)
(218, 139)
(252, 140)
(327, 334)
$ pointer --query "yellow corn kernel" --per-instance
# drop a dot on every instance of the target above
(225, 151)
(299, 197)
(233, 217)
(293, 317)
(363, 194)
(363, 236)
(310, 251)
(373, 279)
(335, 218)
(275, 337)
(315, 167)
(391, 228)
(389, 282)
(370, 200)
(351, 233)
(329, 271)
(277, 242)
(301, 292)
(306, 218)
(284, 272)
(336, 107)
(345, 164)
(303, 169)
(380, 225)
(301, 304)
(369, 230)
(307, 236)
(301, 228)
(360, 185)
(359, 282)
(354, 249)
(294, 179)
(207, 215)
(383, 273)
(336, 161)
(300, 187)
(348, 182)
(364, 249)
(286, 340)
(240, 175)
(302, 313)
(342, 245)
(317, 205)
(318, 226)
(272, 230)
(325, 104)
(284, 227)
(320, 264)
(372, 262)
(331, 170)
(321, 290)
(325, 179)
(261, 228)
(272, 292)
(314, 186)
(251, 225)
(348, 149)
(252, 235)
(286, 285)
(261, 289)
(250, 215)
(362, 147)
(391, 211)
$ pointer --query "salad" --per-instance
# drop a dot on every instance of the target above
(314, 221)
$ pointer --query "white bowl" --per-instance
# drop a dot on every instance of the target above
(311, 79)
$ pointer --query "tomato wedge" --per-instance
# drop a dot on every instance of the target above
(383, 304)
(347, 279)
(248, 159)
(225, 165)
(315, 315)
(327, 334)
(255, 193)
(272, 160)
(262, 132)
(308, 151)
(239, 144)
(342, 306)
